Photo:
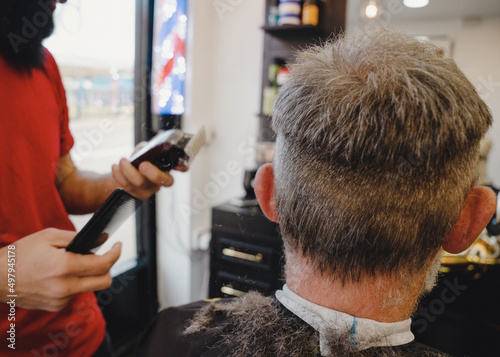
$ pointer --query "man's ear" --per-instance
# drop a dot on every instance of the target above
(478, 210)
(264, 190)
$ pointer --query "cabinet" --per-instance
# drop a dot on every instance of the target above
(246, 252)
(461, 315)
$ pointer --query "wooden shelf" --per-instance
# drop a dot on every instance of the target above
(294, 32)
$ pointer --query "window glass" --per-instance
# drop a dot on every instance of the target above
(93, 44)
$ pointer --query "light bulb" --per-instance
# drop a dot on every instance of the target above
(371, 10)
(415, 3)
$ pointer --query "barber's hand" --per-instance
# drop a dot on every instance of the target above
(141, 183)
(47, 276)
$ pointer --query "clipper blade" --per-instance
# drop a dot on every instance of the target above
(195, 143)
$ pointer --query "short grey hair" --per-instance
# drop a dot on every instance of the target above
(376, 151)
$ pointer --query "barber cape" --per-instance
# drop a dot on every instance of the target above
(363, 333)
(282, 326)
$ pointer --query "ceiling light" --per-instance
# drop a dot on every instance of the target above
(415, 3)
(371, 9)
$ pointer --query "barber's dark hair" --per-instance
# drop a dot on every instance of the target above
(24, 24)
(377, 148)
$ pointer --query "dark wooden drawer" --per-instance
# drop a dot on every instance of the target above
(246, 252)
(251, 255)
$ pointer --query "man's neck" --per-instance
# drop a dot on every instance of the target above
(379, 298)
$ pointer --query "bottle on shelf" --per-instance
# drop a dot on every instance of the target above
(282, 76)
(271, 90)
(272, 19)
(310, 13)
(289, 12)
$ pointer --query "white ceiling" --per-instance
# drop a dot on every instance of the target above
(437, 9)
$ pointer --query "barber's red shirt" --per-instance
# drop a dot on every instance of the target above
(34, 134)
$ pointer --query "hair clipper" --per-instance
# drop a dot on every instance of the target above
(170, 149)
(167, 150)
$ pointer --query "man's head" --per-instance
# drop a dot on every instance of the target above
(24, 24)
(376, 155)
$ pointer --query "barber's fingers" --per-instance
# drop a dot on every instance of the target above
(56, 237)
(118, 175)
(155, 175)
(181, 168)
(82, 273)
(94, 283)
(93, 265)
(127, 175)
(131, 174)
(60, 292)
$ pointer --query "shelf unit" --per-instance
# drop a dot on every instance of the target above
(283, 41)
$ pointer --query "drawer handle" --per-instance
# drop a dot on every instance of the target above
(231, 252)
(228, 290)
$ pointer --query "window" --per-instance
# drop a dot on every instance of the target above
(94, 46)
